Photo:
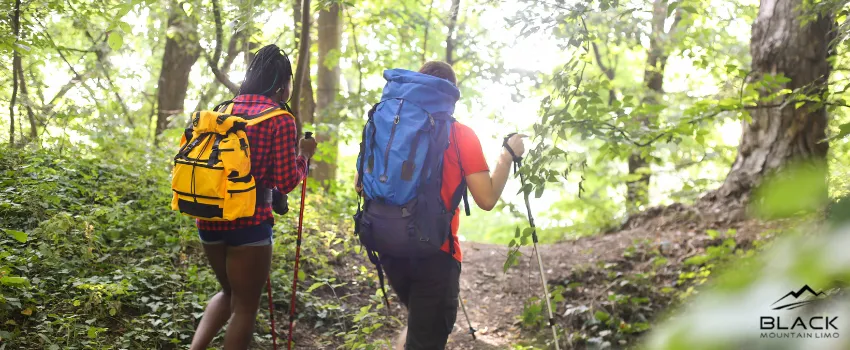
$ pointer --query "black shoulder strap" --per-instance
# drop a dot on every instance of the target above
(376, 260)
(461, 189)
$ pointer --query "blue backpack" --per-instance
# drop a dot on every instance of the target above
(401, 168)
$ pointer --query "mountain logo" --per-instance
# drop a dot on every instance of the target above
(799, 298)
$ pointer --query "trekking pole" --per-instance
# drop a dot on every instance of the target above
(271, 310)
(517, 165)
(463, 306)
(307, 135)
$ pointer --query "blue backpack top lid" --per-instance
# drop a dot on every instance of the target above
(430, 93)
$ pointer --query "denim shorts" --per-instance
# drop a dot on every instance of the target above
(260, 235)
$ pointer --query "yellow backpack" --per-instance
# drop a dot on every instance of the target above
(212, 178)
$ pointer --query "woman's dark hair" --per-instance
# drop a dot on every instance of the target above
(269, 71)
(439, 69)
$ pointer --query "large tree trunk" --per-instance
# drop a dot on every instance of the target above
(303, 104)
(653, 78)
(779, 135)
(450, 38)
(181, 51)
(330, 36)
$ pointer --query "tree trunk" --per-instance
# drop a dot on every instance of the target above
(303, 104)
(26, 101)
(779, 135)
(181, 51)
(16, 60)
(450, 39)
(330, 37)
(656, 60)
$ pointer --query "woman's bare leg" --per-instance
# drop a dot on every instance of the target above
(218, 308)
(247, 270)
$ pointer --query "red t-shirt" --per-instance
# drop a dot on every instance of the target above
(471, 160)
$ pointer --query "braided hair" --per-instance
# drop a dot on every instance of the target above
(269, 72)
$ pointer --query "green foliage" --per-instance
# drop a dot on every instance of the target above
(93, 257)
(745, 283)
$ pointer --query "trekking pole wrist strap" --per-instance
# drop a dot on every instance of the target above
(516, 159)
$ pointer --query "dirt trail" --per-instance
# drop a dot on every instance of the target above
(494, 299)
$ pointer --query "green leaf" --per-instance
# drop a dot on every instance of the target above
(17, 235)
(689, 9)
(799, 104)
(671, 8)
(125, 27)
(314, 286)
(115, 40)
(602, 316)
(13, 280)
(301, 275)
(92, 332)
(712, 233)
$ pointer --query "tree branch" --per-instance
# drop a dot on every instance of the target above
(213, 62)
(610, 73)
(357, 52)
(427, 28)
(219, 33)
(102, 64)
(450, 41)
(26, 101)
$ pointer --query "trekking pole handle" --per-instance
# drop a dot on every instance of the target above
(510, 150)
(308, 135)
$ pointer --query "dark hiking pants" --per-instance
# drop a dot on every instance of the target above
(429, 288)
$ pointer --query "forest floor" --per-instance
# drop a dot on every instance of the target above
(591, 269)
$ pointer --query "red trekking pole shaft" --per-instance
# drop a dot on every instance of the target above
(271, 310)
(307, 135)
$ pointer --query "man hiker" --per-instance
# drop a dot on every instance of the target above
(426, 284)
(239, 251)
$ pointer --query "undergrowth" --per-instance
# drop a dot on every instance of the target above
(92, 257)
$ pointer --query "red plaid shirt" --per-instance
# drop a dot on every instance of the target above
(274, 159)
